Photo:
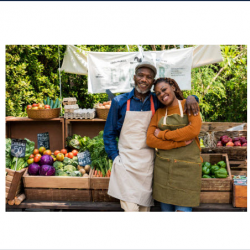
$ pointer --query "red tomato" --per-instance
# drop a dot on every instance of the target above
(60, 157)
(35, 105)
(37, 159)
(67, 155)
(64, 151)
(29, 107)
(56, 152)
(36, 151)
(70, 155)
(47, 152)
(75, 152)
(31, 156)
(38, 155)
(46, 106)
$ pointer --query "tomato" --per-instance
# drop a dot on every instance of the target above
(64, 151)
(67, 155)
(56, 152)
(29, 107)
(31, 156)
(70, 155)
(35, 105)
(30, 161)
(46, 106)
(37, 159)
(60, 157)
(41, 150)
(38, 155)
(75, 152)
(36, 151)
(47, 152)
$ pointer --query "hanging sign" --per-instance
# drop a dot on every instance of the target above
(18, 147)
(43, 140)
(84, 158)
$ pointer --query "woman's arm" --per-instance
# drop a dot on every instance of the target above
(155, 142)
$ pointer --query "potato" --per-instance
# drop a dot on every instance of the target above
(82, 171)
(85, 175)
(80, 167)
(87, 168)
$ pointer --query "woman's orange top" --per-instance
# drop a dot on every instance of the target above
(168, 139)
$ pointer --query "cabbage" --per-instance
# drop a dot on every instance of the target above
(58, 165)
(46, 160)
(69, 168)
(33, 169)
(47, 170)
(62, 174)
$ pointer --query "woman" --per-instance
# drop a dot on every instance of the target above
(174, 135)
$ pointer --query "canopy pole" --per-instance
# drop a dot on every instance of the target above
(60, 83)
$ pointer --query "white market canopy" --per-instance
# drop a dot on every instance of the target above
(115, 70)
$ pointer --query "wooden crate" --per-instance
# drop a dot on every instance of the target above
(13, 183)
(220, 126)
(99, 186)
(234, 153)
(23, 127)
(206, 137)
(239, 196)
(216, 190)
(238, 167)
(56, 188)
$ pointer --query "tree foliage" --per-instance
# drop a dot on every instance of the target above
(32, 75)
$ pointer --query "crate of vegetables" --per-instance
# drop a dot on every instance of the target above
(216, 182)
(57, 177)
(233, 143)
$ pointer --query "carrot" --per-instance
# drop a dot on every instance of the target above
(101, 175)
(95, 172)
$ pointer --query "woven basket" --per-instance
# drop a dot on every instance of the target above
(43, 113)
(102, 113)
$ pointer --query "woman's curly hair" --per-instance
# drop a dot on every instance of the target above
(171, 82)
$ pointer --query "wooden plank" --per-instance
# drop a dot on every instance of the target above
(53, 194)
(19, 199)
(210, 207)
(98, 182)
(216, 184)
(7, 189)
(55, 182)
(102, 195)
(8, 183)
(220, 126)
(236, 172)
(10, 171)
(26, 119)
(215, 197)
(9, 178)
(239, 196)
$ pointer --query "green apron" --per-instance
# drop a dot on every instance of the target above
(177, 172)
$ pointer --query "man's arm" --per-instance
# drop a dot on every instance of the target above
(111, 132)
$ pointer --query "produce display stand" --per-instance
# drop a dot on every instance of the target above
(56, 188)
(23, 127)
(220, 126)
(84, 127)
(216, 190)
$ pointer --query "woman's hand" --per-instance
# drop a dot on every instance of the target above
(191, 104)
(156, 133)
(188, 142)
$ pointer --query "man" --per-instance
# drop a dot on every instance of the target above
(133, 161)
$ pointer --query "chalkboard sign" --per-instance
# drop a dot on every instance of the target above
(43, 140)
(84, 158)
(18, 147)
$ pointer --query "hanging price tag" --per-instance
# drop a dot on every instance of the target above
(84, 158)
(18, 147)
(43, 140)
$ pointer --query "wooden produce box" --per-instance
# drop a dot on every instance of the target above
(99, 188)
(239, 196)
(24, 127)
(56, 188)
(220, 126)
(238, 167)
(13, 183)
(234, 153)
(216, 190)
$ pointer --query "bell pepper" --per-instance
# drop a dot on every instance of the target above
(206, 176)
(214, 168)
(221, 173)
(206, 164)
(205, 170)
(222, 164)
(212, 176)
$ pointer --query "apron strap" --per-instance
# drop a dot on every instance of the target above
(166, 114)
(152, 106)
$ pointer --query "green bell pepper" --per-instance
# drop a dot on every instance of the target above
(212, 176)
(222, 164)
(205, 170)
(206, 164)
(221, 173)
(206, 176)
(214, 168)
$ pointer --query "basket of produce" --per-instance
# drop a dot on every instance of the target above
(205, 142)
(47, 110)
(233, 143)
(102, 109)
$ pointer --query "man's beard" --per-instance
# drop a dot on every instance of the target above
(139, 91)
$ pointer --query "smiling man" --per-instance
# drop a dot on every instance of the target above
(133, 161)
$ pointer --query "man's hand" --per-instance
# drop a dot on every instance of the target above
(156, 133)
(191, 104)
(188, 142)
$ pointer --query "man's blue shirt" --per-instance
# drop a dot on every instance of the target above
(116, 117)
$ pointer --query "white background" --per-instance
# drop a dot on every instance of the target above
(120, 23)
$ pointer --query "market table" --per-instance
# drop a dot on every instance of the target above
(106, 207)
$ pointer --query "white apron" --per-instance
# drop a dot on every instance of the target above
(132, 171)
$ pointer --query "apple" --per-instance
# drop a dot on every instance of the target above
(223, 136)
(230, 139)
(219, 144)
(29, 107)
(224, 141)
(243, 140)
(230, 144)
(34, 105)
(237, 143)
(236, 139)
(244, 144)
